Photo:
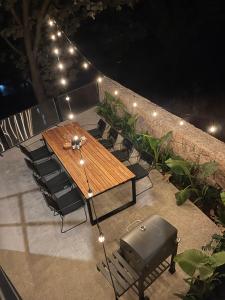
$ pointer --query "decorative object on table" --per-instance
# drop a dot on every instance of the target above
(77, 142)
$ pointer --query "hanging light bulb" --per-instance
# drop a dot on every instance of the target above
(85, 65)
(51, 23)
(181, 123)
(70, 116)
(81, 162)
(154, 114)
(212, 129)
(101, 238)
(53, 37)
(59, 33)
(90, 193)
(71, 50)
(135, 104)
(116, 92)
(56, 51)
(67, 98)
(99, 79)
(63, 81)
(60, 66)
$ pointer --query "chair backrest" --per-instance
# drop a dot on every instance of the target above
(40, 183)
(51, 202)
(101, 125)
(30, 165)
(147, 157)
(129, 146)
(25, 151)
(113, 135)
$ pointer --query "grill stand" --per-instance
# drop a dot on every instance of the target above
(125, 277)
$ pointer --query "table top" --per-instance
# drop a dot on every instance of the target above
(103, 170)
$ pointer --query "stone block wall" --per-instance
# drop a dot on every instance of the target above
(188, 141)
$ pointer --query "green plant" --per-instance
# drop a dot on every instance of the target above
(216, 244)
(196, 176)
(128, 125)
(202, 271)
(155, 146)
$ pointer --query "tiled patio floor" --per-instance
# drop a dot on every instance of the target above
(45, 264)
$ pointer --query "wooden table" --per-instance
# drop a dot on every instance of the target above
(103, 170)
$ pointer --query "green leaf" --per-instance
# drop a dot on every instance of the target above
(218, 258)
(207, 169)
(222, 196)
(183, 195)
(179, 167)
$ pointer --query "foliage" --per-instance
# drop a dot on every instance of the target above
(196, 176)
(216, 244)
(202, 271)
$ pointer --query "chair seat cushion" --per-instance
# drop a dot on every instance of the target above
(96, 133)
(69, 202)
(138, 170)
(106, 143)
(121, 155)
(58, 183)
(40, 153)
(47, 167)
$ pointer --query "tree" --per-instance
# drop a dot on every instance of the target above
(23, 30)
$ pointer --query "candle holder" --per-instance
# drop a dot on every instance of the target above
(77, 142)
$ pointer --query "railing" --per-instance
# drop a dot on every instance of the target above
(28, 123)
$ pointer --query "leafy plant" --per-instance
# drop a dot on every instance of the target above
(202, 271)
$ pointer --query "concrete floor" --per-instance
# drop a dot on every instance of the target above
(45, 264)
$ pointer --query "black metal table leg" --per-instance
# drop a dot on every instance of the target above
(90, 211)
(172, 268)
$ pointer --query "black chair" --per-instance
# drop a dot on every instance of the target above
(44, 168)
(37, 154)
(65, 205)
(99, 130)
(126, 151)
(111, 139)
(141, 172)
(55, 184)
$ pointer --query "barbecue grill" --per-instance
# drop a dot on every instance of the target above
(142, 256)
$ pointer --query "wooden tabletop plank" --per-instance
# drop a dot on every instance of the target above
(104, 171)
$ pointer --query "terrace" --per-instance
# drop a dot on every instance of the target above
(43, 263)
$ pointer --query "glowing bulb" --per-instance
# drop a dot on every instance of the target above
(50, 23)
(67, 98)
(101, 238)
(212, 129)
(181, 123)
(116, 92)
(63, 81)
(71, 50)
(56, 51)
(71, 116)
(154, 114)
(76, 138)
(90, 193)
(135, 104)
(60, 66)
(85, 65)
(59, 33)
(99, 79)
(81, 162)
(53, 37)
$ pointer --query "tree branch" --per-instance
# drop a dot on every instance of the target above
(16, 17)
(40, 18)
(17, 51)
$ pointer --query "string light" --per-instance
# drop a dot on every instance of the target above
(116, 92)
(101, 238)
(71, 50)
(99, 79)
(212, 129)
(59, 33)
(85, 65)
(63, 81)
(51, 23)
(56, 51)
(67, 98)
(81, 162)
(60, 66)
(154, 114)
(181, 123)
(71, 116)
(53, 37)
(90, 193)
(135, 104)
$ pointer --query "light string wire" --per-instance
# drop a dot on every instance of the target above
(97, 222)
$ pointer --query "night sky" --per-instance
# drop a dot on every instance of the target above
(172, 52)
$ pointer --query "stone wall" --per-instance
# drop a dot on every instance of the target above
(188, 141)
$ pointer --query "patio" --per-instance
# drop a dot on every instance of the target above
(45, 264)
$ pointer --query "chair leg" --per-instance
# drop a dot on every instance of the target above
(62, 223)
(145, 190)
